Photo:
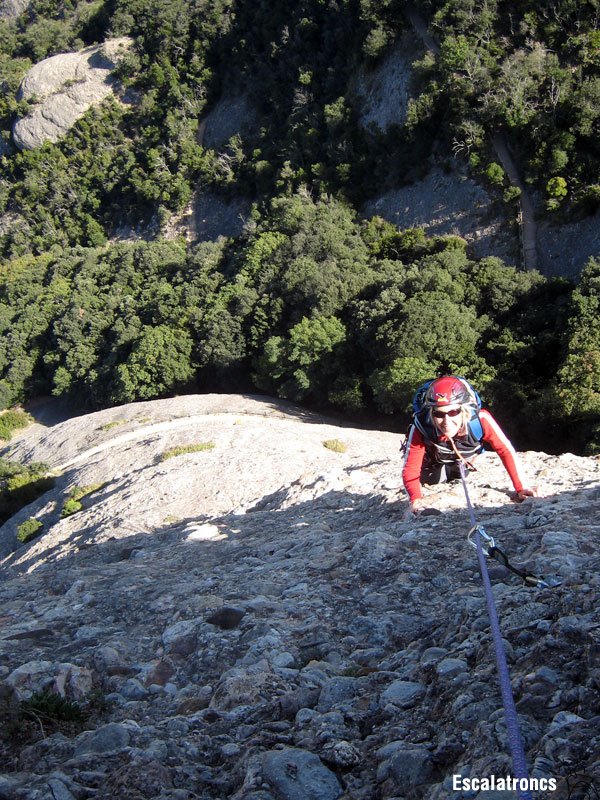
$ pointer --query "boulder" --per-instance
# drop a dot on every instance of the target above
(294, 774)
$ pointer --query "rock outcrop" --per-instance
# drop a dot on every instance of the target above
(449, 204)
(64, 87)
(383, 93)
(258, 620)
(232, 115)
(208, 216)
(565, 249)
(12, 8)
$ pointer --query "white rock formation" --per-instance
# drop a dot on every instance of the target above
(256, 452)
(12, 8)
(64, 87)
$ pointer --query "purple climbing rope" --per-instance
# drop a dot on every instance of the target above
(515, 741)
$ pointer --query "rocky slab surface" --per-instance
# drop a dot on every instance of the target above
(64, 87)
(260, 620)
(384, 92)
(232, 115)
(564, 250)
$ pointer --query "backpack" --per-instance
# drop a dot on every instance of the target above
(469, 446)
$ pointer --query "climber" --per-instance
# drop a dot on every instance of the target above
(449, 426)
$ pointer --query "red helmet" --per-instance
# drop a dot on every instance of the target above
(449, 390)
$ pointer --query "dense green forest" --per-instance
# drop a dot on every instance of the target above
(310, 303)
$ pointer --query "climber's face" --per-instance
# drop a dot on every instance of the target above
(448, 419)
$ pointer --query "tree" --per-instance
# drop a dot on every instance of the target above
(304, 365)
(579, 376)
(307, 258)
(394, 386)
(159, 363)
(433, 328)
(556, 187)
(495, 174)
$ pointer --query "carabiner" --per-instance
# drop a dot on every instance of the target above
(487, 541)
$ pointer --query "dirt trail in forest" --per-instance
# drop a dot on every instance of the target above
(528, 226)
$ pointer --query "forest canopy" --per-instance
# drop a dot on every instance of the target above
(304, 307)
(310, 302)
(530, 70)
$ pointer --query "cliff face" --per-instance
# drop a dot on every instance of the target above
(258, 619)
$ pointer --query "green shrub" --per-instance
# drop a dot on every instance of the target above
(44, 713)
(336, 445)
(376, 41)
(79, 492)
(51, 706)
(28, 530)
(393, 386)
(495, 174)
(20, 481)
(6, 395)
(73, 503)
(12, 420)
(512, 193)
(114, 424)
(70, 506)
(452, 242)
(24, 489)
(346, 393)
(557, 187)
(186, 448)
(21, 485)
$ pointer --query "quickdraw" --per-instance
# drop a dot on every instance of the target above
(490, 550)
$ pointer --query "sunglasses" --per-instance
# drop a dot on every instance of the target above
(454, 412)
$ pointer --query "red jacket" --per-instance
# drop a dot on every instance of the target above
(492, 436)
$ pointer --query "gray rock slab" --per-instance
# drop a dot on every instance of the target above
(384, 91)
(375, 554)
(58, 790)
(8, 787)
(294, 774)
(9, 9)
(450, 667)
(336, 691)
(411, 767)
(106, 739)
(64, 87)
(446, 204)
(181, 638)
(266, 522)
(403, 694)
(232, 115)
(563, 250)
